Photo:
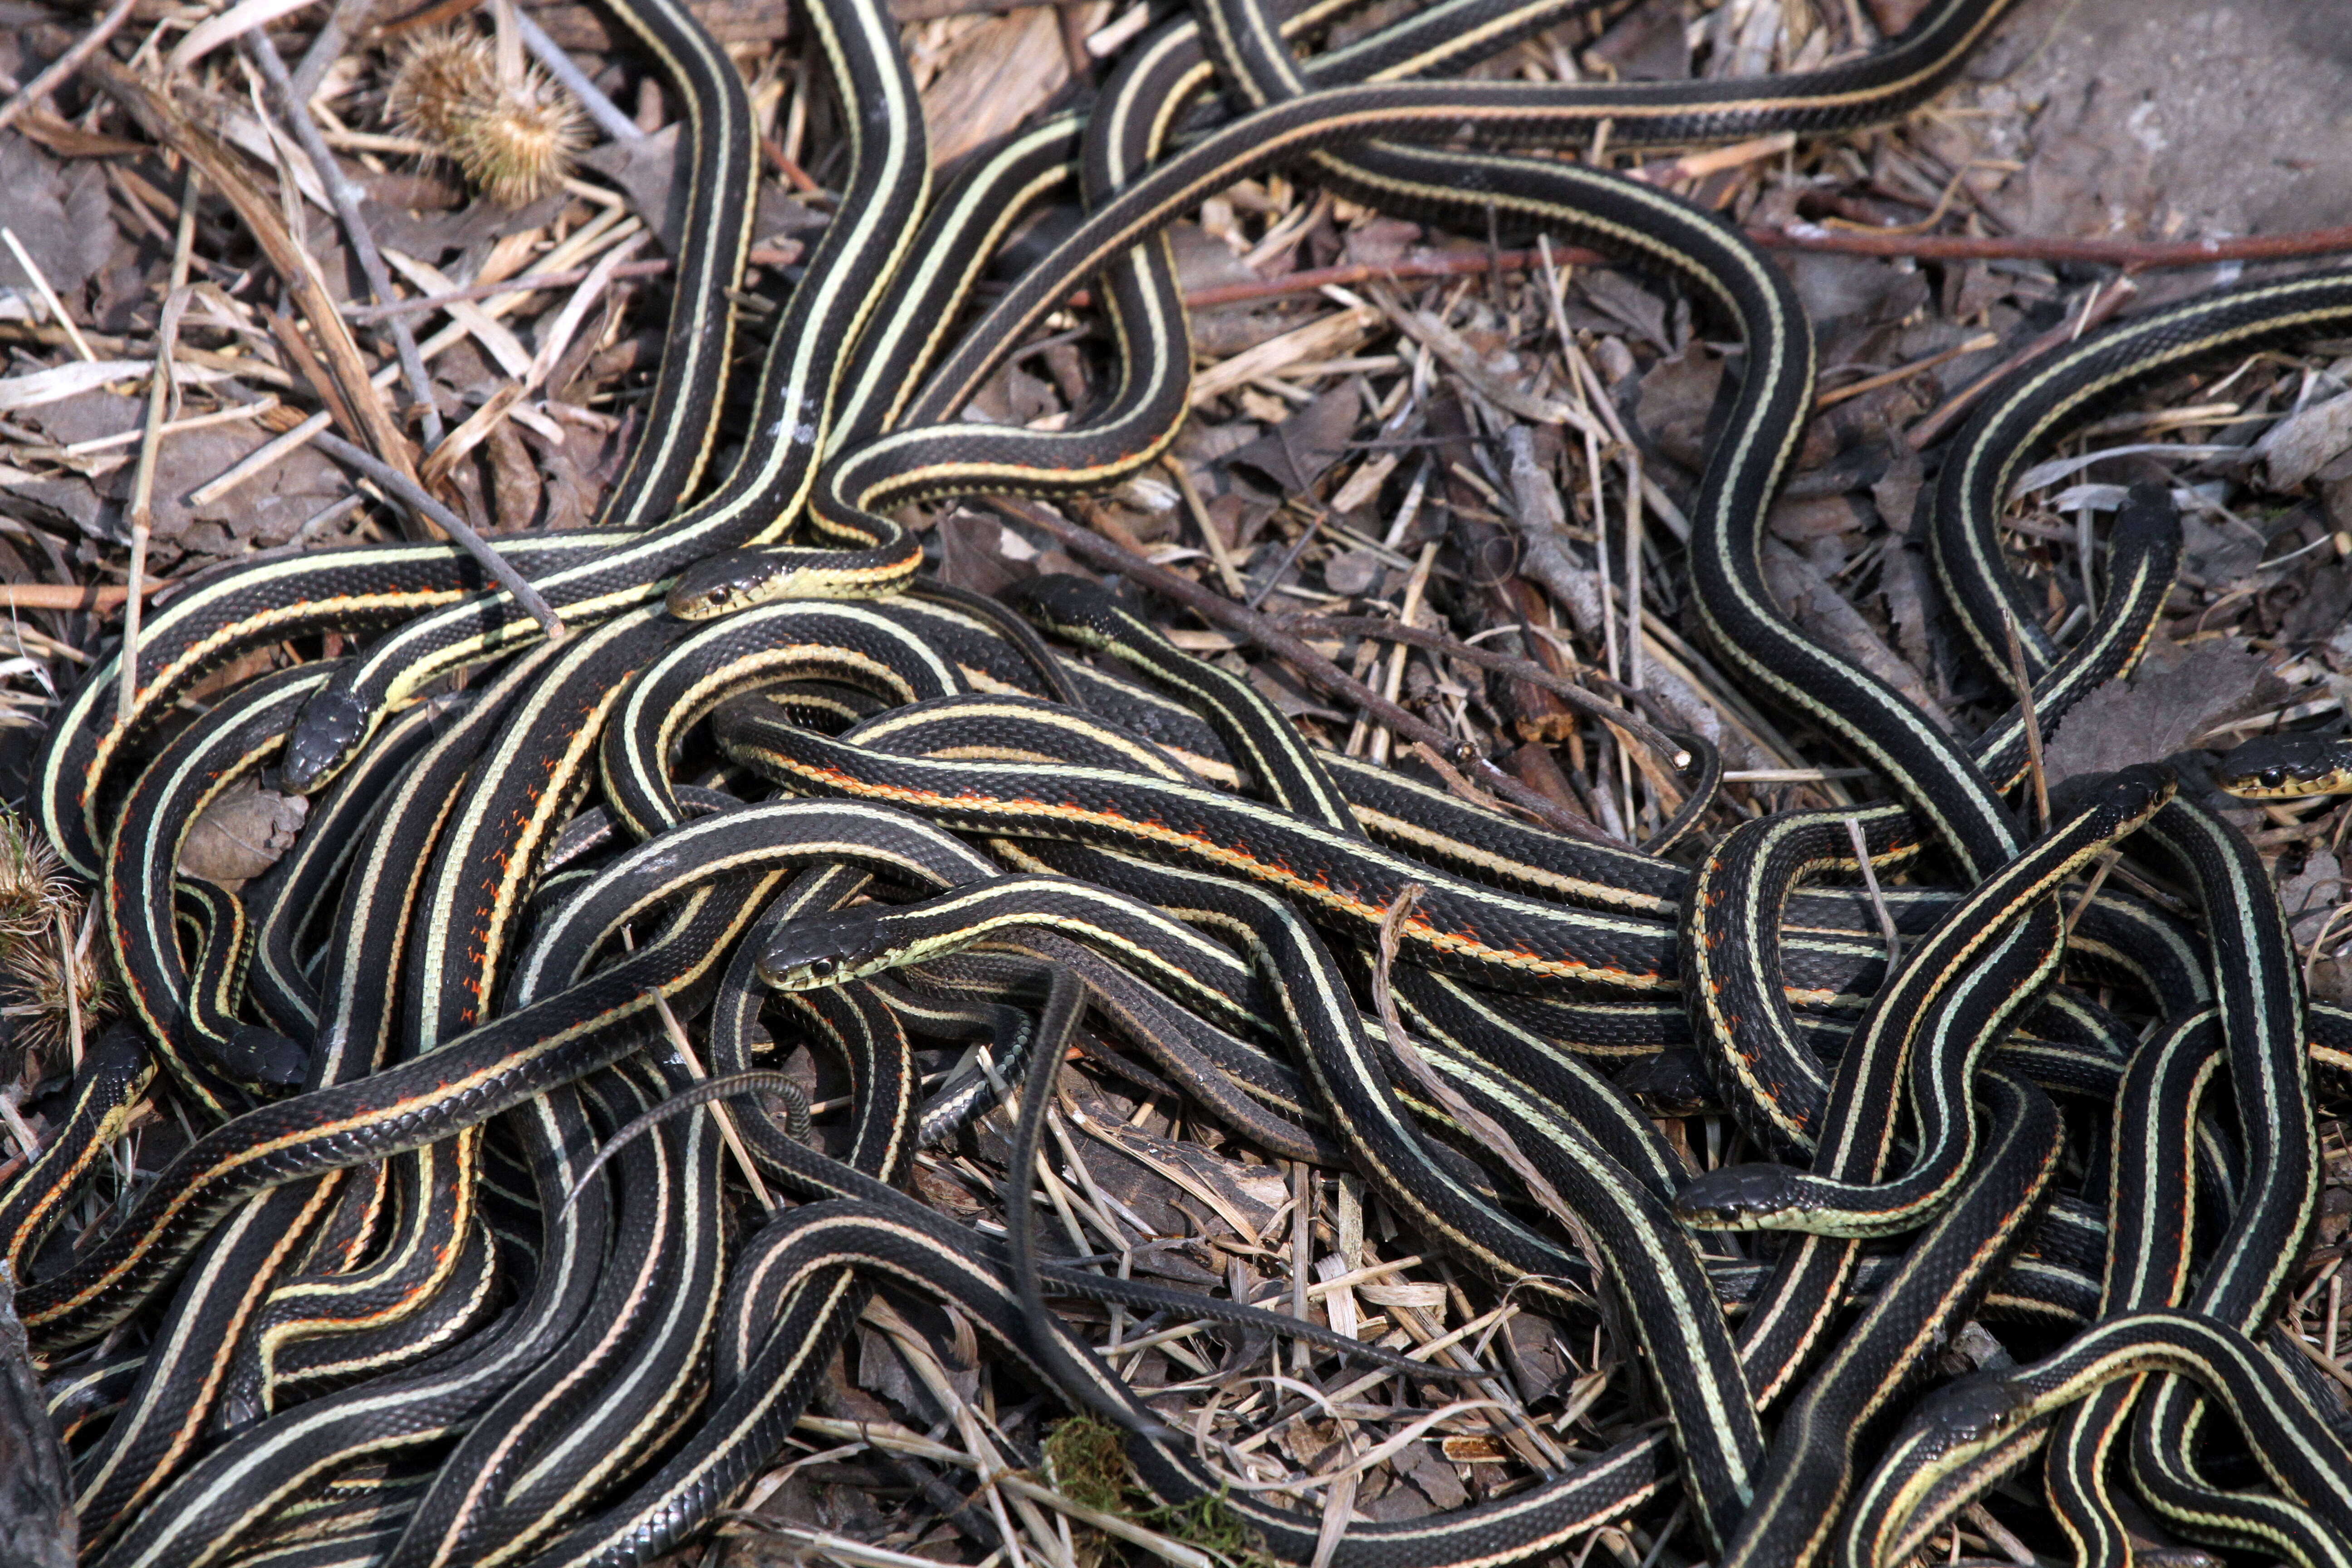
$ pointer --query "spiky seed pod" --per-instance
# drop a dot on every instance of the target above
(33, 885)
(33, 975)
(525, 144)
(512, 137)
(438, 76)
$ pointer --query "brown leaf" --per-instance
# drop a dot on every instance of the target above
(1301, 450)
(429, 230)
(2310, 895)
(242, 833)
(995, 75)
(2302, 444)
(265, 510)
(1351, 571)
(1618, 296)
(2218, 553)
(2163, 711)
(60, 218)
(514, 478)
(1815, 604)
(1647, 43)
(1837, 288)
(1433, 1476)
(649, 171)
(1676, 396)
(973, 554)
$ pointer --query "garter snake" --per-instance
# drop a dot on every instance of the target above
(929, 456)
(370, 589)
(1956, 1426)
(426, 1106)
(2285, 767)
(2152, 1210)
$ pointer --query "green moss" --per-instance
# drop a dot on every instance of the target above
(1211, 1524)
(1087, 1461)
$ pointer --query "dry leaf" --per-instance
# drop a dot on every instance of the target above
(58, 216)
(993, 77)
(2302, 444)
(649, 170)
(1351, 571)
(1815, 604)
(2163, 711)
(2218, 553)
(1291, 456)
(242, 833)
(2311, 895)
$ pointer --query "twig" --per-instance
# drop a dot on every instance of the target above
(561, 66)
(326, 48)
(1210, 535)
(269, 453)
(1976, 344)
(411, 497)
(2132, 254)
(69, 595)
(533, 282)
(2033, 721)
(1415, 587)
(1886, 927)
(2091, 889)
(720, 1112)
(2102, 303)
(160, 391)
(55, 73)
(26, 1138)
(345, 196)
(1518, 668)
(41, 282)
(160, 120)
(1267, 635)
(2135, 255)
(69, 957)
(555, 336)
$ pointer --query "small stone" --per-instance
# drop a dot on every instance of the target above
(1350, 572)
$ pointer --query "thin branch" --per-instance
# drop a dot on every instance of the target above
(530, 282)
(561, 66)
(346, 198)
(2135, 255)
(66, 64)
(94, 596)
(160, 120)
(2102, 303)
(1518, 668)
(411, 496)
(1270, 635)
(160, 390)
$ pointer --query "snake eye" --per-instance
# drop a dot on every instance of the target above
(2275, 778)
(823, 969)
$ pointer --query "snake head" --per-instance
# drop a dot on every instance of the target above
(1064, 603)
(2148, 516)
(1739, 1197)
(730, 581)
(808, 955)
(2276, 767)
(255, 1055)
(325, 735)
(2139, 792)
(1976, 1409)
